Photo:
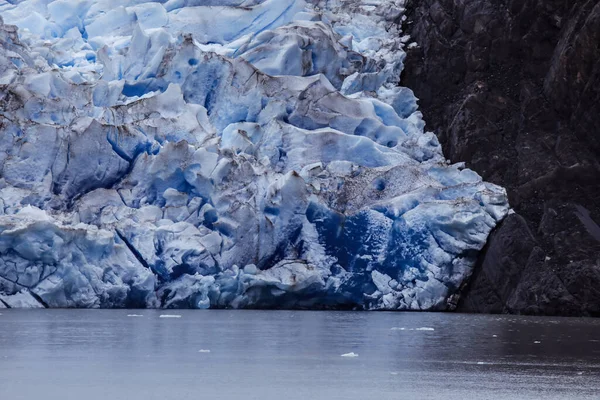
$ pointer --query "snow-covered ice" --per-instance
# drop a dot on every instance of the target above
(224, 154)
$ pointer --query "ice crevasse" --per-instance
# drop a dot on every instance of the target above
(224, 154)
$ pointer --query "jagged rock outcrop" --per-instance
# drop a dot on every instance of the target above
(512, 88)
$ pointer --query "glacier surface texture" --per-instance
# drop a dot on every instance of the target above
(224, 154)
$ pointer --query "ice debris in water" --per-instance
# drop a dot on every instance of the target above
(413, 329)
(203, 351)
(169, 316)
(225, 154)
(351, 355)
(134, 315)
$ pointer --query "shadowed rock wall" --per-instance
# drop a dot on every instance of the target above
(513, 89)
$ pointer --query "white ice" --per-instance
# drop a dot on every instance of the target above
(225, 154)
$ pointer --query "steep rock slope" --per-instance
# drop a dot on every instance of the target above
(512, 88)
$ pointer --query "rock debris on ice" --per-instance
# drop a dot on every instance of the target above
(224, 154)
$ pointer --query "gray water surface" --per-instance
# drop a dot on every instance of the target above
(108, 355)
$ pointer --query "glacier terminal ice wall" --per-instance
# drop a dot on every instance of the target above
(203, 153)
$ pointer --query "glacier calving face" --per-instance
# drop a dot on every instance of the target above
(231, 153)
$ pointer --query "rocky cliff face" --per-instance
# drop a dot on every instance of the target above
(512, 88)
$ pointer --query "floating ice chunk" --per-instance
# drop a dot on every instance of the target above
(537, 342)
(134, 315)
(413, 329)
(351, 355)
(170, 316)
(203, 351)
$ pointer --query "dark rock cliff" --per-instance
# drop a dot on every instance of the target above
(512, 88)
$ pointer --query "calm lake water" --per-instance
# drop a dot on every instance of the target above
(108, 355)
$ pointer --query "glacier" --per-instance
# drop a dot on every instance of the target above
(225, 154)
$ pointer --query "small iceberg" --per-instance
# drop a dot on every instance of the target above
(425, 329)
(203, 351)
(537, 342)
(398, 329)
(352, 354)
(134, 315)
(170, 316)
